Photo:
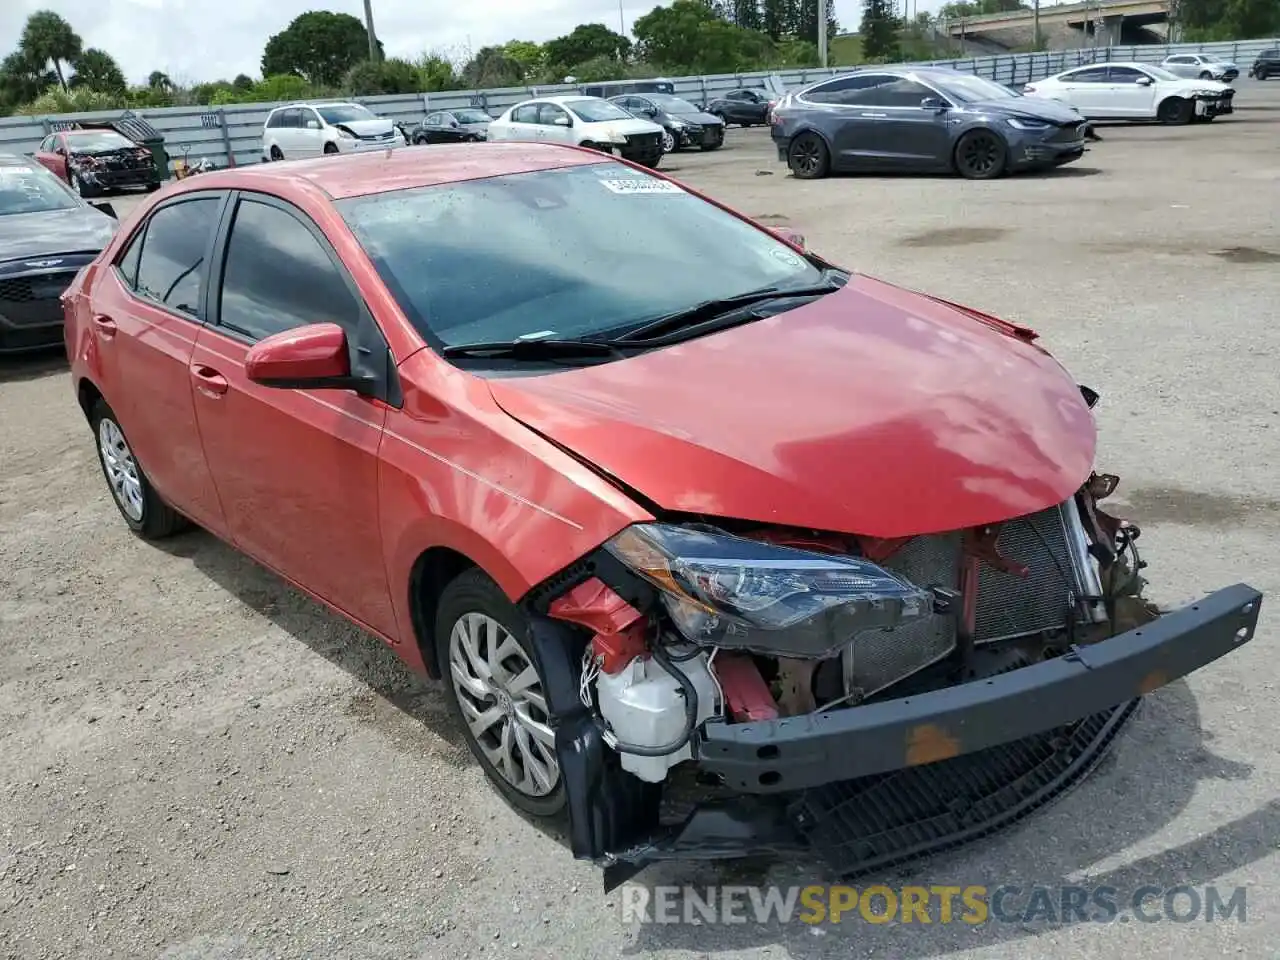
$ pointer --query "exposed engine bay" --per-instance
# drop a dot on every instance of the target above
(720, 689)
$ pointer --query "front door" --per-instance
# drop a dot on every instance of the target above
(1132, 92)
(902, 131)
(52, 155)
(296, 470)
(554, 124)
(150, 304)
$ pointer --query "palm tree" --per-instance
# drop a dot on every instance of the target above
(22, 79)
(159, 81)
(47, 38)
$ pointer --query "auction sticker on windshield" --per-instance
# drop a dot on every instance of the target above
(16, 171)
(641, 186)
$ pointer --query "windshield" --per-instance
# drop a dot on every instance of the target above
(966, 89)
(577, 251)
(1209, 58)
(32, 190)
(594, 111)
(97, 141)
(345, 113)
(1160, 73)
(664, 101)
(471, 116)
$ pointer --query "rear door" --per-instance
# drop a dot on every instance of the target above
(1087, 90)
(853, 128)
(296, 470)
(148, 310)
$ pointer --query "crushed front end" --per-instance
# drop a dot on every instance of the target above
(726, 692)
(1213, 103)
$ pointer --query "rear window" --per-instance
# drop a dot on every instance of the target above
(32, 189)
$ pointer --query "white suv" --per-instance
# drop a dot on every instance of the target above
(312, 129)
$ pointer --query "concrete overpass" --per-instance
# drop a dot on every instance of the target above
(1103, 19)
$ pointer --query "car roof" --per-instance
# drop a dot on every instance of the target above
(564, 98)
(383, 171)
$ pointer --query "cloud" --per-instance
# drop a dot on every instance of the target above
(196, 41)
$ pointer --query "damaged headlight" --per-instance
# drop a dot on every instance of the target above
(746, 594)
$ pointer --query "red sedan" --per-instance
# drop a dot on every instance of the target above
(676, 507)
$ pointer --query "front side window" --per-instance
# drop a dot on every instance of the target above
(549, 114)
(899, 92)
(278, 276)
(469, 116)
(525, 114)
(171, 269)
(1126, 75)
(32, 189)
(1091, 75)
(579, 251)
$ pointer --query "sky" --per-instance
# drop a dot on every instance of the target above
(195, 41)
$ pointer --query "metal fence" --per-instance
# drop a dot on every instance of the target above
(232, 134)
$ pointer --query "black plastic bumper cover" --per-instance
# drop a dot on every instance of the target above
(798, 752)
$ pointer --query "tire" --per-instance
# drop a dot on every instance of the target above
(79, 186)
(717, 113)
(668, 141)
(1206, 75)
(143, 510)
(275, 153)
(651, 164)
(1176, 110)
(330, 147)
(808, 157)
(420, 140)
(153, 187)
(981, 155)
(495, 692)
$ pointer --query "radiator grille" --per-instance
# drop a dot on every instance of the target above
(876, 659)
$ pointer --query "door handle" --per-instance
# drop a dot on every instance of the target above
(209, 381)
(105, 326)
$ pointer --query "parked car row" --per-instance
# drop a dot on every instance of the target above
(940, 120)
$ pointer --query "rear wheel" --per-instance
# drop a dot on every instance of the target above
(808, 157)
(330, 147)
(420, 139)
(495, 690)
(143, 510)
(981, 155)
(1206, 75)
(1176, 110)
(276, 154)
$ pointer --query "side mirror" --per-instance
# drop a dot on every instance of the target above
(313, 357)
(453, 123)
(313, 124)
(562, 122)
(1144, 81)
(793, 237)
(934, 104)
(106, 208)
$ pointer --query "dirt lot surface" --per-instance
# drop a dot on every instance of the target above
(197, 762)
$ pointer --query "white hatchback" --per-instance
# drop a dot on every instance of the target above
(581, 121)
(312, 129)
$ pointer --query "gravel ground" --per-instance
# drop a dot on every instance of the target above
(197, 762)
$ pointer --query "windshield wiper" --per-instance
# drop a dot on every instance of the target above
(533, 348)
(711, 309)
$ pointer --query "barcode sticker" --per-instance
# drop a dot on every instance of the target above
(641, 186)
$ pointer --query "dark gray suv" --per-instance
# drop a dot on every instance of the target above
(925, 120)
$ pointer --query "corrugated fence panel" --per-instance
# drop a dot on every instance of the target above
(197, 132)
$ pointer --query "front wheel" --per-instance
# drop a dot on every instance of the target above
(808, 157)
(496, 692)
(79, 186)
(981, 155)
(1176, 110)
(668, 141)
(330, 147)
(1206, 75)
(143, 510)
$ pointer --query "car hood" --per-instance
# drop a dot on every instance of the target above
(1051, 111)
(873, 410)
(32, 236)
(1192, 84)
(626, 127)
(368, 128)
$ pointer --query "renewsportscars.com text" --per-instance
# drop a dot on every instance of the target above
(973, 905)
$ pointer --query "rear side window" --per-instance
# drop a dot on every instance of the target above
(526, 114)
(278, 276)
(1092, 75)
(171, 267)
(846, 90)
(273, 121)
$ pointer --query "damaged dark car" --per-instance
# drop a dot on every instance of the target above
(97, 161)
(771, 557)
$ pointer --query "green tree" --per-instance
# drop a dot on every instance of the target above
(318, 46)
(22, 79)
(807, 21)
(437, 73)
(491, 67)
(960, 9)
(369, 79)
(778, 18)
(97, 70)
(1206, 20)
(159, 80)
(81, 100)
(531, 57)
(596, 70)
(585, 42)
(747, 14)
(47, 38)
(688, 37)
(243, 82)
(880, 31)
(283, 86)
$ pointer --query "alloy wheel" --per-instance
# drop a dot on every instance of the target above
(121, 469)
(980, 154)
(806, 157)
(503, 703)
(668, 141)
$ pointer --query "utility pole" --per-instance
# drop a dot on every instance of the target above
(822, 33)
(1036, 29)
(622, 20)
(368, 27)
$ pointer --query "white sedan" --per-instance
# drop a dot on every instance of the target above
(1135, 91)
(581, 121)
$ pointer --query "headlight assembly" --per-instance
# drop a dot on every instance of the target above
(1023, 123)
(745, 594)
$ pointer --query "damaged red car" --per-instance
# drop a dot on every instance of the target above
(718, 547)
